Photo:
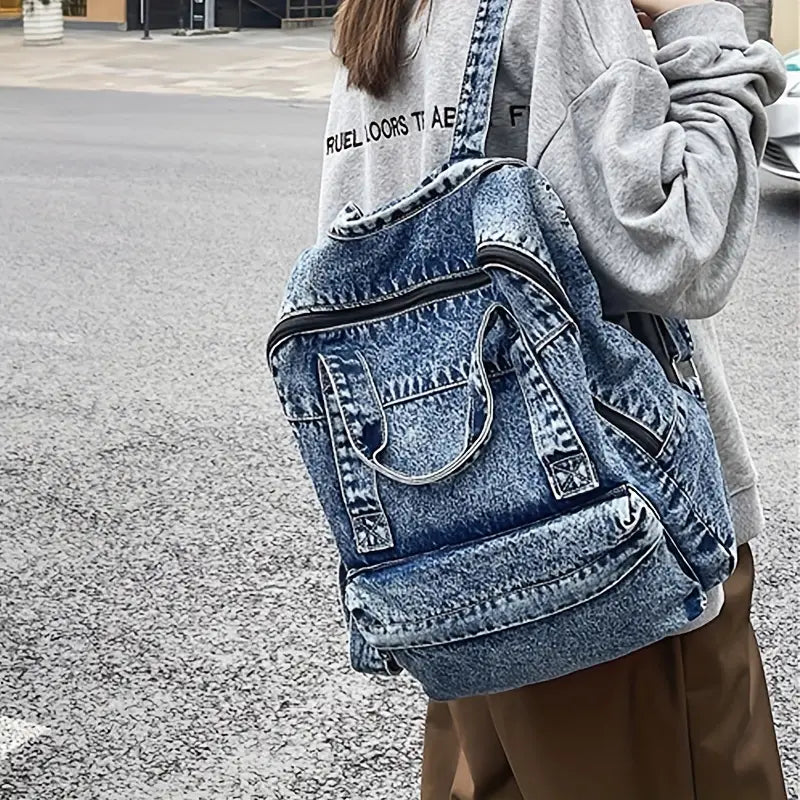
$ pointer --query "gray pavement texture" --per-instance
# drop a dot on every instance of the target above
(170, 628)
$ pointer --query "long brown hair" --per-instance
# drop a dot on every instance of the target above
(369, 41)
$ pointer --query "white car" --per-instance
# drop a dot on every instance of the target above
(782, 156)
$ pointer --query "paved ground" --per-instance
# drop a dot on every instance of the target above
(257, 63)
(169, 602)
(170, 629)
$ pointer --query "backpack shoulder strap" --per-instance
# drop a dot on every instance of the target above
(477, 89)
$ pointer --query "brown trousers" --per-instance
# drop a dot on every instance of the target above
(687, 718)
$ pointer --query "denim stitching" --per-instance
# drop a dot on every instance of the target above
(493, 375)
(426, 199)
(494, 602)
(358, 485)
(344, 305)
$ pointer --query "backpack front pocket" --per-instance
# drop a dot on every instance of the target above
(486, 604)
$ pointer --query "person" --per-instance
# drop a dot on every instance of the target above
(654, 153)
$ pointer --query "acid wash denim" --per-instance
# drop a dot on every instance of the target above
(518, 487)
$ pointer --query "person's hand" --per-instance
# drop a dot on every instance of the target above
(649, 10)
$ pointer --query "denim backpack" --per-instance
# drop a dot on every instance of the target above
(518, 487)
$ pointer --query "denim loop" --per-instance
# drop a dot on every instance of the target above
(358, 483)
(347, 383)
(561, 452)
(358, 423)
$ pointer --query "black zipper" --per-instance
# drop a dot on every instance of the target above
(316, 321)
(500, 255)
(634, 430)
(488, 255)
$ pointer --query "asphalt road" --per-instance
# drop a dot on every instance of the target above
(170, 628)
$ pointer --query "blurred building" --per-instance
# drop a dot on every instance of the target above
(786, 25)
(129, 14)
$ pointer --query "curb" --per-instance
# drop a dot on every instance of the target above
(190, 33)
(293, 24)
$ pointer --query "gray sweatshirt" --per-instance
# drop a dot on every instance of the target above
(654, 154)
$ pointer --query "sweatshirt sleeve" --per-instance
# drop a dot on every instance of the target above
(657, 160)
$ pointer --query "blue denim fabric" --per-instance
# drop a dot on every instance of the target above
(517, 488)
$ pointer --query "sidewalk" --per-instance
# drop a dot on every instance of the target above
(271, 64)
